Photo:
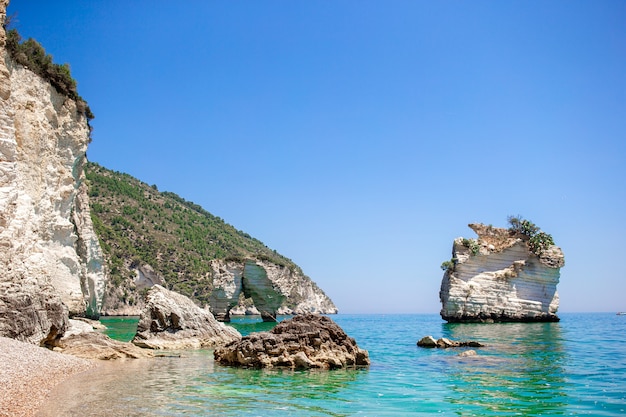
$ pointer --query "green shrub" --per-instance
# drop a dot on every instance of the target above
(449, 265)
(472, 245)
(522, 226)
(33, 56)
(538, 241)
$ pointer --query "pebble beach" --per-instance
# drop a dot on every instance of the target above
(28, 373)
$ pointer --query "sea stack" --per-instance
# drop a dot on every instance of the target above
(503, 275)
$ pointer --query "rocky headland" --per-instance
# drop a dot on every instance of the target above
(269, 288)
(503, 275)
(151, 237)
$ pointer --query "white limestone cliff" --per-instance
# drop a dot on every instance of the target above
(49, 253)
(501, 280)
(289, 290)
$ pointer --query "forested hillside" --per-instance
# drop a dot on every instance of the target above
(138, 225)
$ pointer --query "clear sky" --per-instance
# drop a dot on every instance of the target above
(359, 138)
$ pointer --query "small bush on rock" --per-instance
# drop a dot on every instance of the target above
(538, 241)
(472, 245)
(33, 56)
(448, 264)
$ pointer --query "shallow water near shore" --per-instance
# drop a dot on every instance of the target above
(574, 367)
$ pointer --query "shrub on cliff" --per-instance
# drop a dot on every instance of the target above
(538, 241)
(448, 265)
(34, 57)
(472, 245)
(522, 226)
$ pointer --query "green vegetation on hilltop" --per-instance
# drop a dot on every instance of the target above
(138, 225)
(33, 56)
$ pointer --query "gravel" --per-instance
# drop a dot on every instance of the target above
(28, 373)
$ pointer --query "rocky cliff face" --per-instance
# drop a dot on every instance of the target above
(51, 263)
(497, 278)
(151, 237)
(238, 287)
(273, 289)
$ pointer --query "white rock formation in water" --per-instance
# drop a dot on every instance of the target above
(498, 278)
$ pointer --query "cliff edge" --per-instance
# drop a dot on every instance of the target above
(51, 263)
(503, 275)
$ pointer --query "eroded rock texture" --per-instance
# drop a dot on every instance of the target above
(444, 343)
(502, 281)
(172, 321)
(273, 289)
(81, 340)
(50, 263)
(303, 342)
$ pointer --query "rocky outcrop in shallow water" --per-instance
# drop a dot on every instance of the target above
(81, 340)
(444, 343)
(172, 321)
(303, 342)
(496, 277)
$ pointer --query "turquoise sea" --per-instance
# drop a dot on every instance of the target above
(574, 367)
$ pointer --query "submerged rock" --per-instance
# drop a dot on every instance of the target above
(172, 321)
(303, 342)
(430, 342)
(94, 345)
(81, 340)
(497, 277)
(427, 341)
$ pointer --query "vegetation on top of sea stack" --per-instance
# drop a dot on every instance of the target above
(538, 241)
(138, 225)
(33, 56)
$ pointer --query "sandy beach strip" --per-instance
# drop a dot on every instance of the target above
(28, 373)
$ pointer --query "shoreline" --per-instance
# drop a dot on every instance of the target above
(30, 373)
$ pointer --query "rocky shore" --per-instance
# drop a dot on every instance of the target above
(29, 373)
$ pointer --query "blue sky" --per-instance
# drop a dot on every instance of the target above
(359, 138)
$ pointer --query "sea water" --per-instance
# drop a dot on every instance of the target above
(574, 367)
